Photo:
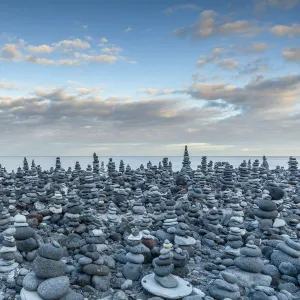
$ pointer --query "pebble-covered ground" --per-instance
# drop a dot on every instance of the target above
(115, 233)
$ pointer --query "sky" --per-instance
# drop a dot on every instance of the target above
(145, 78)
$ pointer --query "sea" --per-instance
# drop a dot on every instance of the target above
(46, 162)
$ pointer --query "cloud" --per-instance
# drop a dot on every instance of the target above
(86, 91)
(257, 65)
(209, 24)
(84, 26)
(228, 64)
(74, 82)
(10, 51)
(287, 4)
(255, 47)
(42, 49)
(128, 29)
(290, 31)
(10, 86)
(291, 54)
(258, 94)
(148, 91)
(104, 40)
(72, 123)
(175, 8)
(213, 57)
(261, 6)
(76, 44)
(51, 62)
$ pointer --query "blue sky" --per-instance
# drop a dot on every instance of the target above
(84, 76)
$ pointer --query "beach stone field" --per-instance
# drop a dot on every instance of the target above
(114, 233)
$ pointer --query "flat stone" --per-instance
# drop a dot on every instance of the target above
(54, 288)
(31, 282)
(184, 288)
(28, 295)
(248, 279)
(168, 281)
(279, 223)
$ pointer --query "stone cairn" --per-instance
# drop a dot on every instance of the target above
(135, 256)
(8, 266)
(161, 282)
(48, 280)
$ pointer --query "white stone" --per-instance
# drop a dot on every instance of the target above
(184, 241)
(20, 219)
(278, 223)
(199, 292)
(97, 232)
(28, 295)
(184, 288)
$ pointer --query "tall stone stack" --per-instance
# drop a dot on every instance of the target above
(243, 173)
(48, 280)
(8, 266)
(111, 167)
(73, 209)
(161, 282)
(25, 165)
(227, 178)
(4, 218)
(293, 170)
(135, 256)
(165, 163)
(121, 167)
(96, 166)
(204, 165)
(265, 163)
(25, 235)
(186, 163)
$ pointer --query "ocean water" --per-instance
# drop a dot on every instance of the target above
(46, 162)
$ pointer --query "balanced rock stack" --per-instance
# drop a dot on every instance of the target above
(249, 267)
(225, 287)
(4, 218)
(112, 214)
(287, 251)
(47, 281)
(25, 235)
(7, 254)
(92, 265)
(183, 238)
(134, 256)
(162, 283)
(234, 242)
(265, 212)
(73, 210)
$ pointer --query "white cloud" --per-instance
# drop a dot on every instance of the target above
(290, 31)
(175, 8)
(42, 49)
(104, 40)
(128, 29)
(209, 25)
(84, 26)
(255, 47)
(228, 64)
(291, 54)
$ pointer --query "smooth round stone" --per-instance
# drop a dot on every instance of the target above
(288, 269)
(163, 270)
(231, 278)
(252, 252)
(50, 251)
(222, 284)
(135, 258)
(265, 214)
(27, 245)
(47, 268)
(167, 281)
(31, 282)
(23, 233)
(267, 205)
(84, 261)
(288, 250)
(292, 244)
(249, 264)
(154, 288)
(54, 288)
(93, 269)
(132, 271)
